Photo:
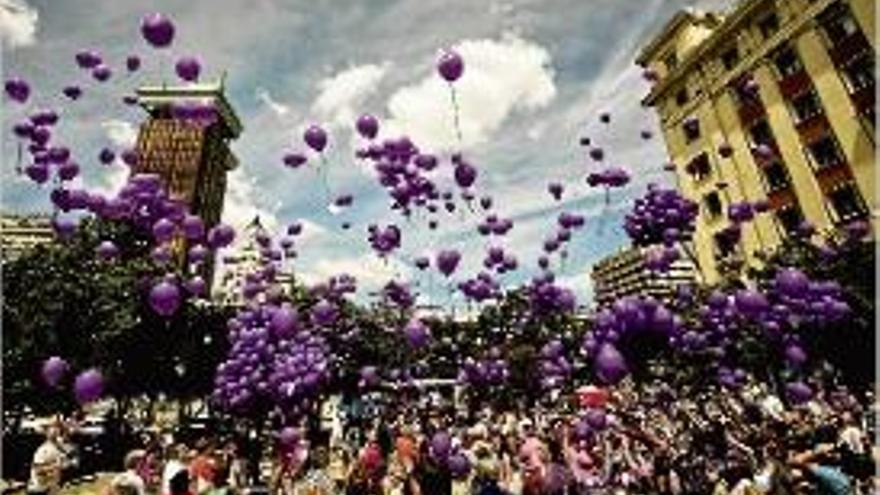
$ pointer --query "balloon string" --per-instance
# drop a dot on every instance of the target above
(323, 171)
(455, 115)
(18, 159)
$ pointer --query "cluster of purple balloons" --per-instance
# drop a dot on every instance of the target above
(616, 325)
(500, 261)
(491, 371)
(480, 288)
(546, 298)
(555, 368)
(384, 240)
(88, 386)
(661, 216)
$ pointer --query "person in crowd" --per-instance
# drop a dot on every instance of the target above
(47, 466)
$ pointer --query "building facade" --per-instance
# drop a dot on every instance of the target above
(624, 274)
(22, 233)
(774, 102)
(241, 264)
(192, 159)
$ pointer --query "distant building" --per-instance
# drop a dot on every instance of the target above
(775, 102)
(625, 274)
(229, 286)
(22, 233)
(191, 159)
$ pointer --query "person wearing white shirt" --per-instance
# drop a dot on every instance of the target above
(47, 466)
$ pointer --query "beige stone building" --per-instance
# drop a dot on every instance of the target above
(21, 233)
(624, 274)
(773, 101)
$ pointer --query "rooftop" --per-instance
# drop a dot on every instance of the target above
(151, 97)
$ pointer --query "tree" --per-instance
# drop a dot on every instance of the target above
(62, 300)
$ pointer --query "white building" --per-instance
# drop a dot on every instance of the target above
(625, 274)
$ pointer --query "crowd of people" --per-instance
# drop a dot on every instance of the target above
(645, 440)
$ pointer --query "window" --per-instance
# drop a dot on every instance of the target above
(691, 128)
(681, 97)
(769, 25)
(713, 204)
(805, 106)
(847, 203)
(671, 61)
(761, 133)
(790, 218)
(839, 24)
(824, 152)
(725, 246)
(699, 167)
(776, 176)
(860, 73)
(730, 58)
(787, 63)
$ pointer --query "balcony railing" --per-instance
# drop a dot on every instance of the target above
(847, 49)
(794, 84)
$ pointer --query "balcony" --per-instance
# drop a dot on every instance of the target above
(794, 84)
(750, 110)
(813, 128)
(781, 198)
(830, 176)
(864, 99)
(848, 48)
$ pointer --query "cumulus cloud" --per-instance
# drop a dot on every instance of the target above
(370, 272)
(240, 209)
(18, 23)
(502, 77)
(342, 93)
(120, 132)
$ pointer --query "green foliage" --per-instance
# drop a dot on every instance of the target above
(62, 300)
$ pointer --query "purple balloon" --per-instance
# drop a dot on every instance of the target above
(163, 230)
(158, 30)
(107, 250)
(315, 138)
(465, 174)
(417, 333)
(102, 73)
(798, 392)
(294, 160)
(610, 366)
(441, 446)
(165, 298)
(795, 355)
(64, 227)
(87, 59)
(367, 126)
(196, 286)
(220, 236)
(53, 371)
(37, 173)
(88, 386)
(450, 66)
(555, 189)
(133, 63)
(447, 261)
(285, 321)
(72, 92)
(188, 68)
(106, 156)
(17, 89)
(193, 227)
(68, 171)
(792, 282)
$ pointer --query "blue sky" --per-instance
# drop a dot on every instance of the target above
(538, 73)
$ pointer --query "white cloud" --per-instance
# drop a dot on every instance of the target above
(500, 77)
(276, 107)
(239, 208)
(370, 272)
(121, 133)
(18, 23)
(343, 92)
